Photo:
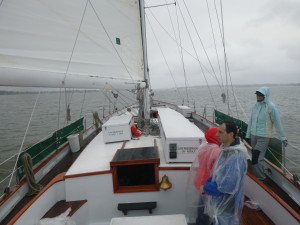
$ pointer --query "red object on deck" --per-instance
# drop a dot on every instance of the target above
(136, 131)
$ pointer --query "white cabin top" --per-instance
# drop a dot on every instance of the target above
(177, 126)
(97, 155)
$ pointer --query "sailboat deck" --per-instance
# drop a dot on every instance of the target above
(249, 216)
(97, 155)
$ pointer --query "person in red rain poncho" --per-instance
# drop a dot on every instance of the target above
(201, 170)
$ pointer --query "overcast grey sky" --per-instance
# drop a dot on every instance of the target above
(262, 42)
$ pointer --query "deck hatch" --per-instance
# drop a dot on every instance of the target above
(135, 170)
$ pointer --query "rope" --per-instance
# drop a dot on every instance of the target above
(34, 187)
(26, 131)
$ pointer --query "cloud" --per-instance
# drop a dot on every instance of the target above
(262, 44)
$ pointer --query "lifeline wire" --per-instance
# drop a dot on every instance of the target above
(24, 137)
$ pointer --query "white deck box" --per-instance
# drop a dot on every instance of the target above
(117, 128)
(184, 110)
(180, 138)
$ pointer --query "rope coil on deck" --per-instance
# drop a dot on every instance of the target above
(34, 187)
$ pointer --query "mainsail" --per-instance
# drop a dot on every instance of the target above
(71, 43)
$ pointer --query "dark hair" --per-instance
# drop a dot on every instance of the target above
(230, 127)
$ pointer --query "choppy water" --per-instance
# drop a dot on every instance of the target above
(15, 111)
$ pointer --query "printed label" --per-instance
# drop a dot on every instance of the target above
(187, 149)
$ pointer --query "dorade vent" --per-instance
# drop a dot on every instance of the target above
(135, 170)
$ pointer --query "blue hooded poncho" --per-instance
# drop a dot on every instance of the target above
(264, 118)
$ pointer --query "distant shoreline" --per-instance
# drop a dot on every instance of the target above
(16, 92)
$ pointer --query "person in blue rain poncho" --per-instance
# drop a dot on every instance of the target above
(264, 118)
(225, 188)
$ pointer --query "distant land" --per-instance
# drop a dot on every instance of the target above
(16, 90)
(42, 92)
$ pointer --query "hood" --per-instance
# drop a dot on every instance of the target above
(211, 135)
(266, 92)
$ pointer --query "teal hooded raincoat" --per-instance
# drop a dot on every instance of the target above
(264, 118)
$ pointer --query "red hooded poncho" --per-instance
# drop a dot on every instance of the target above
(207, 156)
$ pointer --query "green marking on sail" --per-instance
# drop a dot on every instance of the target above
(40, 151)
(118, 41)
(274, 148)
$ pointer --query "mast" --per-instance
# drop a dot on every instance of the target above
(146, 91)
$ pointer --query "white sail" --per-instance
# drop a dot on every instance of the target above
(70, 43)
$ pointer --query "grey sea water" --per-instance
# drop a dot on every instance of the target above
(50, 114)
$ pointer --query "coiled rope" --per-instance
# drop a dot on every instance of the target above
(33, 186)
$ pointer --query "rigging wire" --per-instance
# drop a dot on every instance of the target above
(225, 56)
(282, 166)
(24, 137)
(74, 45)
(14, 155)
(181, 54)
(197, 57)
(185, 50)
(82, 103)
(208, 59)
(109, 100)
(124, 96)
(154, 6)
(99, 19)
(68, 99)
(226, 62)
(164, 57)
(213, 35)
(119, 92)
(58, 116)
(178, 48)
(219, 26)
(241, 107)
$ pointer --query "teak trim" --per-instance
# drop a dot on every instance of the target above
(275, 196)
(60, 177)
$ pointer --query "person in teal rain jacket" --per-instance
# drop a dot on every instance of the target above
(264, 118)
